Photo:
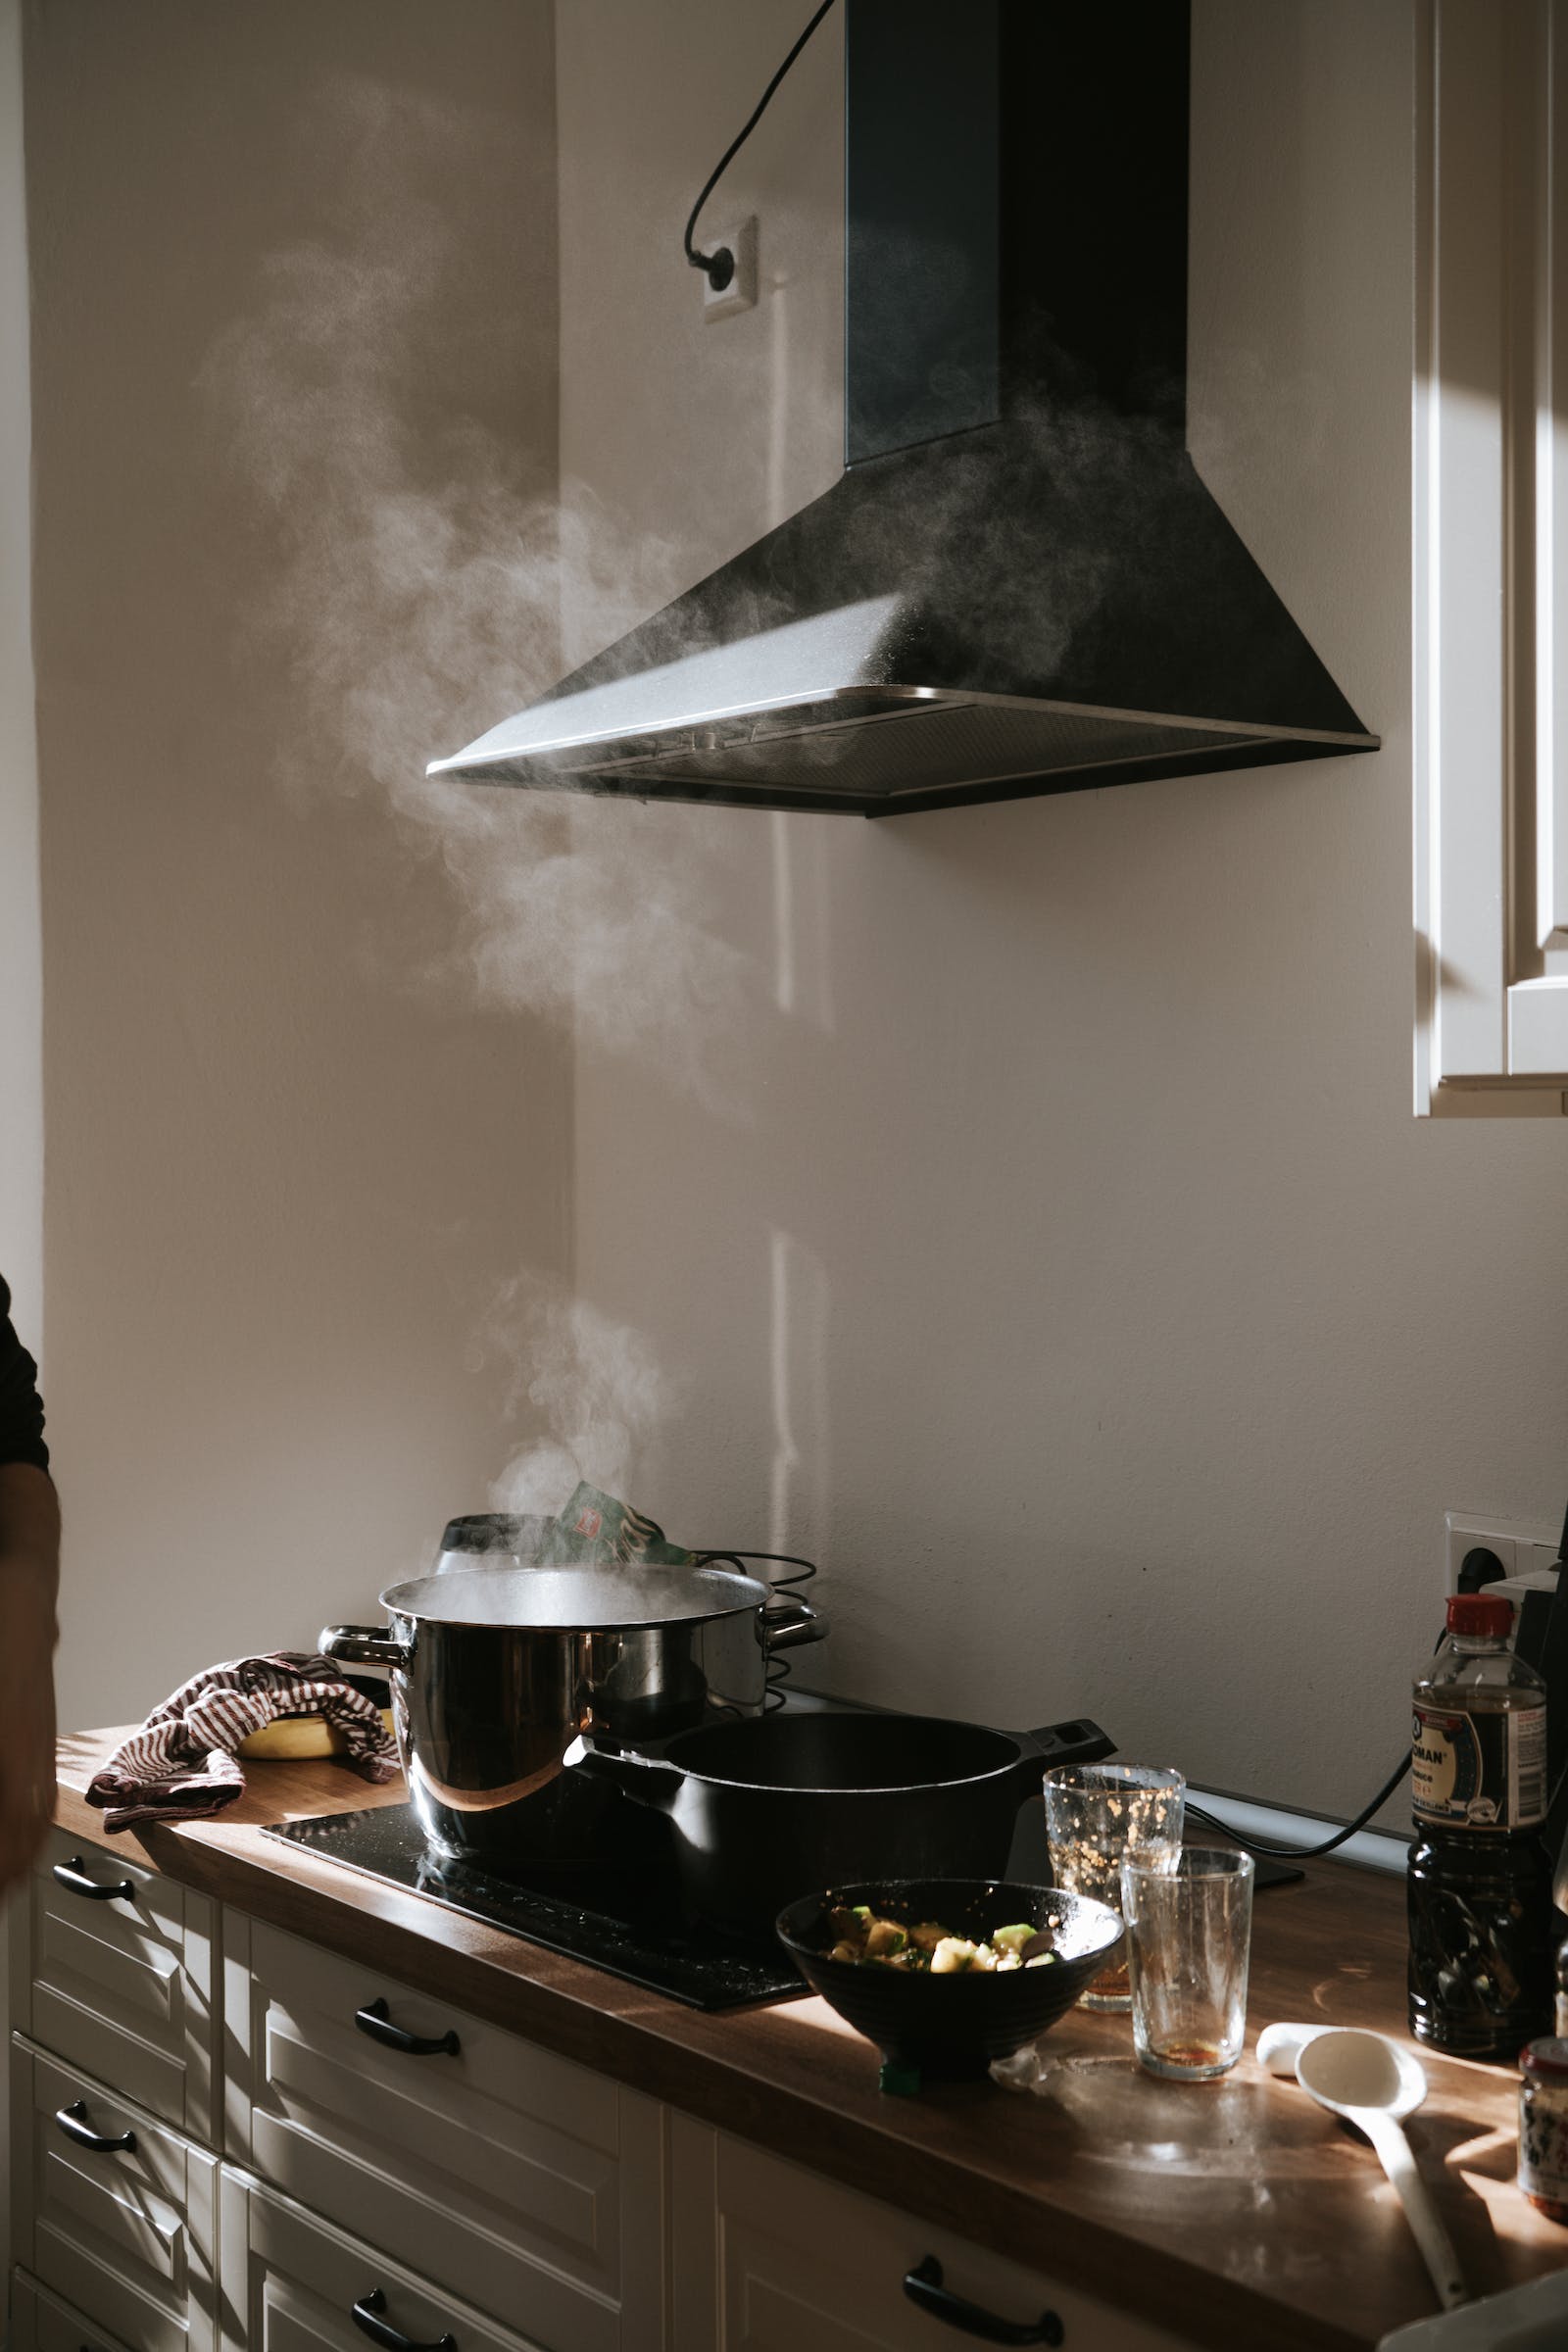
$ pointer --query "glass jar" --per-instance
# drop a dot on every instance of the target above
(1544, 2126)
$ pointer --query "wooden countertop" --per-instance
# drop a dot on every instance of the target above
(1237, 2209)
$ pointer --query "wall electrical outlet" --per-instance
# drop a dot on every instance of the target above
(1519, 1543)
(741, 292)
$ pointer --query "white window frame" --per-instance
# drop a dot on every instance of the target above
(1490, 586)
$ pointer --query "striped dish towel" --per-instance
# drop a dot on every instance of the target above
(182, 1765)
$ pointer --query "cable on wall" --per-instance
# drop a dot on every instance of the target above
(720, 265)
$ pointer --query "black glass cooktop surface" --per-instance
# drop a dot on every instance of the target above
(615, 1911)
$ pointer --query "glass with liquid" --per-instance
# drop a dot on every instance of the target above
(1188, 1940)
(1096, 1816)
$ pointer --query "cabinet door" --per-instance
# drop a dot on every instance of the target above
(1491, 638)
(119, 1983)
(771, 2258)
(43, 2322)
(292, 2284)
(526, 2184)
(124, 2229)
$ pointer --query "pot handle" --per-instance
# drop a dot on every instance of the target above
(1079, 1742)
(361, 1646)
(790, 1623)
(645, 1780)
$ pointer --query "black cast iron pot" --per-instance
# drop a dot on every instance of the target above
(767, 1809)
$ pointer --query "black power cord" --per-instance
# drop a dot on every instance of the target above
(1306, 1853)
(720, 266)
(1310, 1854)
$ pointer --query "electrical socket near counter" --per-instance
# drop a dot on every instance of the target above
(1519, 1543)
(739, 293)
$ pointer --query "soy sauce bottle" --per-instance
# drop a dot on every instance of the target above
(1479, 1888)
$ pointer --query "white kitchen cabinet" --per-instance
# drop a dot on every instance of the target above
(112, 2211)
(291, 2284)
(492, 2193)
(528, 2184)
(41, 2321)
(1490, 502)
(768, 2257)
(112, 1967)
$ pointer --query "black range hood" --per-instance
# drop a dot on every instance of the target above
(1019, 585)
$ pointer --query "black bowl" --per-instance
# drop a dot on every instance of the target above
(950, 2028)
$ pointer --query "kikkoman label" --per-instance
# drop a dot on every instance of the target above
(1479, 1771)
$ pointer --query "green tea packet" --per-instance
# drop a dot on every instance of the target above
(595, 1528)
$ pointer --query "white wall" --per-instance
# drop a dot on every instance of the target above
(286, 1182)
(21, 977)
(1053, 1250)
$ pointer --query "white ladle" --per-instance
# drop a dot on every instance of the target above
(1374, 2085)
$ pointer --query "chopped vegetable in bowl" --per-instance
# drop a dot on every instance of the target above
(929, 1950)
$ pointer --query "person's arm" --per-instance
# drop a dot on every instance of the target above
(29, 1564)
(30, 1557)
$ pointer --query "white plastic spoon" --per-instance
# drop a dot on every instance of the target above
(1279, 2046)
(1374, 2085)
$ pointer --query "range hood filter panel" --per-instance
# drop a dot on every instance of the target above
(913, 748)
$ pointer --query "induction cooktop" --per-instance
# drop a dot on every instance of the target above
(615, 1909)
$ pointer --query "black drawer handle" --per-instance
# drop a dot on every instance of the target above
(72, 1876)
(73, 2121)
(924, 2289)
(374, 2019)
(366, 2317)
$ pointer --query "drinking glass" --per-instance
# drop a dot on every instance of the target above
(1096, 1814)
(1189, 1934)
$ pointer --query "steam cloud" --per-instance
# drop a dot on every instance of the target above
(417, 599)
(594, 1384)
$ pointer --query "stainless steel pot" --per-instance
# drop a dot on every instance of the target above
(495, 1670)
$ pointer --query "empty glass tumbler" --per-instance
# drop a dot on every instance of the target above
(1096, 1815)
(1189, 1936)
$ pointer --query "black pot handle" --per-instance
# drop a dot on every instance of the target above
(1079, 1742)
(73, 2121)
(376, 2020)
(925, 2291)
(647, 1780)
(73, 1877)
(366, 2317)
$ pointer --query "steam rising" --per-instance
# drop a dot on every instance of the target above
(417, 595)
(593, 1383)
(417, 576)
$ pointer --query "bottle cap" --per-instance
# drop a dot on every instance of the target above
(1547, 2057)
(1479, 1613)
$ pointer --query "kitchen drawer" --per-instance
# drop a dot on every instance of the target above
(527, 2185)
(121, 1986)
(125, 2235)
(770, 2258)
(42, 2323)
(290, 2283)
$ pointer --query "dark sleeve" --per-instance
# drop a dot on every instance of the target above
(20, 1406)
